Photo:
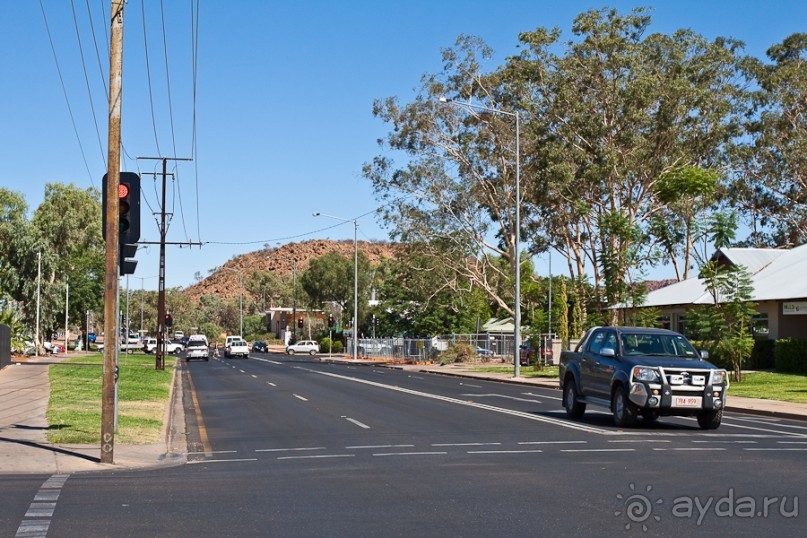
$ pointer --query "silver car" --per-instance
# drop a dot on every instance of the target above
(303, 346)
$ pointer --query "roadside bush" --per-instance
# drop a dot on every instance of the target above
(325, 345)
(790, 355)
(338, 346)
(455, 353)
(762, 356)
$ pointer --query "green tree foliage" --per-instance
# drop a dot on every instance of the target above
(726, 325)
(771, 183)
(330, 278)
(563, 314)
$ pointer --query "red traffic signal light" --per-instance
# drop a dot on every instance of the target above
(169, 321)
(330, 321)
(300, 323)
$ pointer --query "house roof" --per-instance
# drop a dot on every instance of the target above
(776, 274)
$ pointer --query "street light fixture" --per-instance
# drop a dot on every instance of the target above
(355, 278)
(240, 298)
(294, 294)
(517, 256)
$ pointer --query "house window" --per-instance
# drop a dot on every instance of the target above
(759, 324)
(665, 322)
(682, 325)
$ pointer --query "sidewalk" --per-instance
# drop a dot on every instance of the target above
(25, 389)
(24, 448)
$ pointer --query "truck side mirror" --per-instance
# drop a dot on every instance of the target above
(704, 354)
(608, 352)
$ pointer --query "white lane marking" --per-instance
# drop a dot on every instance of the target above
(693, 449)
(598, 450)
(212, 452)
(466, 444)
(410, 454)
(640, 441)
(529, 416)
(242, 371)
(357, 423)
(504, 451)
(253, 375)
(270, 383)
(300, 397)
(266, 360)
(318, 456)
(781, 449)
(768, 421)
(42, 508)
(223, 461)
(472, 386)
(377, 446)
(542, 396)
(552, 442)
(730, 425)
(701, 434)
(725, 442)
(416, 377)
(792, 442)
(470, 395)
(289, 449)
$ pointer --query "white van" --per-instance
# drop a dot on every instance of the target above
(198, 348)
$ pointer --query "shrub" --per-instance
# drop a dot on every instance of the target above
(338, 346)
(762, 356)
(325, 345)
(455, 353)
(790, 355)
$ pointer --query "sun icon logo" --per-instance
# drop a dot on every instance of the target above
(638, 507)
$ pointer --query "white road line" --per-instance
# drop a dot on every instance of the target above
(598, 450)
(782, 449)
(504, 451)
(376, 446)
(470, 395)
(223, 461)
(552, 442)
(357, 423)
(792, 442)
(242, 371)
(266, 360)
(520, 414)
(472, 386)
(769, 422)
(466, 444)
(41, 509)
(690, 449)
(212, 452)
(318, 456)
(416, 377)
(639, 441)
(300, 397)
(542, 396)
(289, 449)
(253, 375)
(270, 383)
(725, 442)
(410, 454)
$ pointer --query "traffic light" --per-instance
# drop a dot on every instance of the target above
(169, 321)
(128, 207)
(330, 322)
(300, 323)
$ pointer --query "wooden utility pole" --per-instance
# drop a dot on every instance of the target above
(112, 232)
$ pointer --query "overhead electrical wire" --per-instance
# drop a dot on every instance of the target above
(148, 78)
(64, 91)
(194, 63)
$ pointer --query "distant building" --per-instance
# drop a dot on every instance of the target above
(779, 280)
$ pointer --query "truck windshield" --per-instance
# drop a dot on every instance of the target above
(658, 345)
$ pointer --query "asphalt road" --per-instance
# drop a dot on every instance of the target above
(291, 446)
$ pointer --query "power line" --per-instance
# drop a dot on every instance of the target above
(87, 81)
(64, 91)
(195, 59)
(148, 77)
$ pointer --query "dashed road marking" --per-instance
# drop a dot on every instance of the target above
(289, 449)
(300, 397)
(357, 423)
(41, 509)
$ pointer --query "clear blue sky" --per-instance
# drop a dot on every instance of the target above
(283, 107)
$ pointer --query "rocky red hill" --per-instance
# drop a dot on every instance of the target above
(225, 284)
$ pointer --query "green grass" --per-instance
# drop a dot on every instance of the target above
(74, 409)
(771, 386)
(526, 371)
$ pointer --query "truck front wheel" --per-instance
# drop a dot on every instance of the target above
(624, 411)
(710, 420)
(574, 408)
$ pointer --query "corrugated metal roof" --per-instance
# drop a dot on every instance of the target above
(776, 274)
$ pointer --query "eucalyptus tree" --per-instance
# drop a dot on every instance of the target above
(330, 278)
(771, 174)
(614, 113)
(454, 193)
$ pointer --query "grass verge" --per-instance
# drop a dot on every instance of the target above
(771, 386)
(525, 371)
(74, 408)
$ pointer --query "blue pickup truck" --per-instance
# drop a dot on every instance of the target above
(644, 372)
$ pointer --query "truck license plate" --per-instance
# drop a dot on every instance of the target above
(687, 401)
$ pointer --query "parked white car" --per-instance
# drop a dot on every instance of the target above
(150, 346)
(303, 346)
(236, 348)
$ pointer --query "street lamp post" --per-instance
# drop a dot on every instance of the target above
(240, 299)
(355, 279)
(293, 295)
(517, 256)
